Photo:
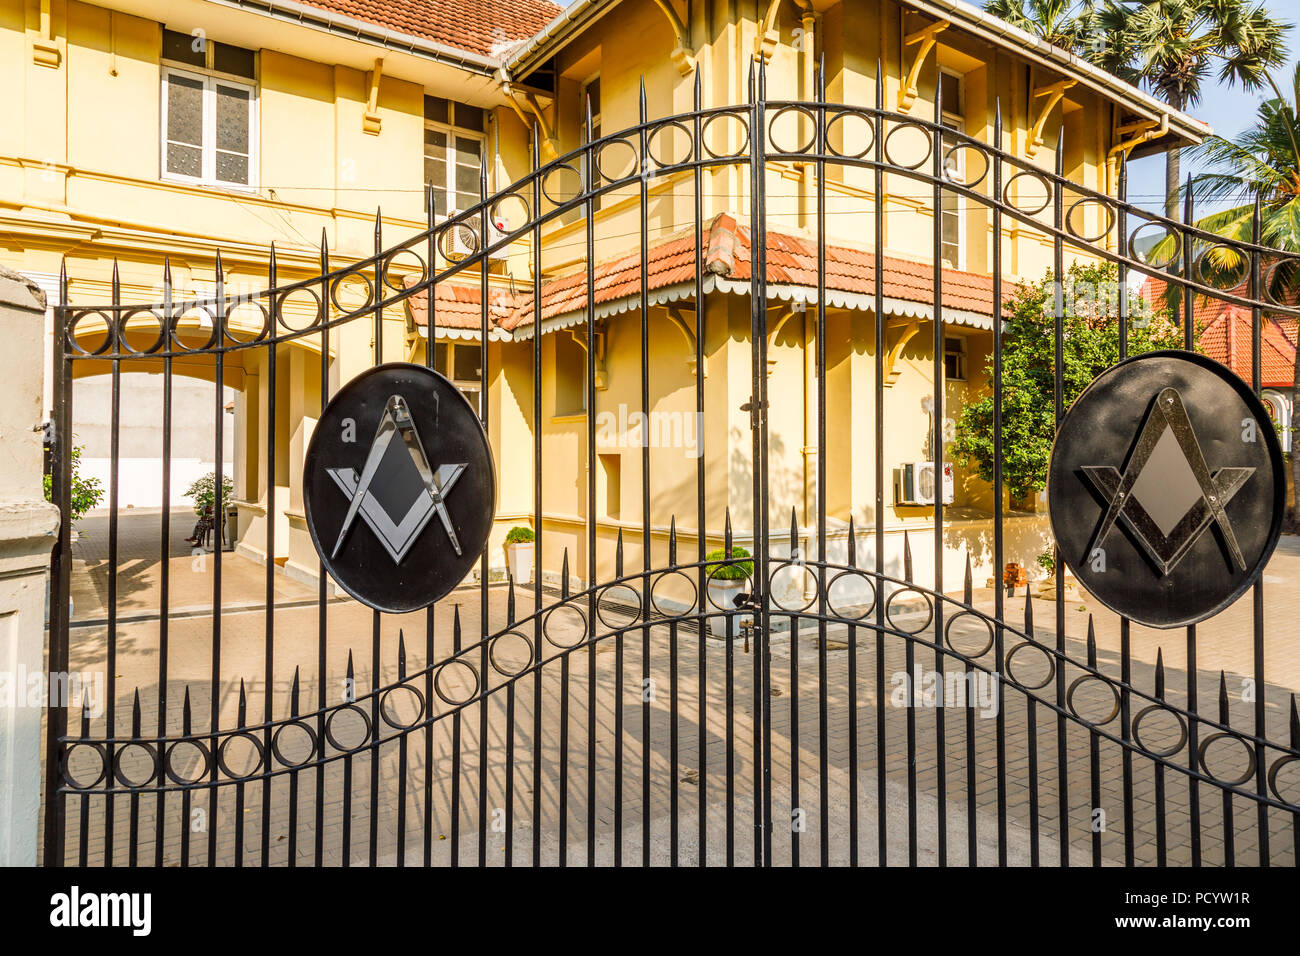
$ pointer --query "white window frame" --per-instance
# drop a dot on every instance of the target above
(452, 131)
(955, 119)
(471, 388)
(210, 79)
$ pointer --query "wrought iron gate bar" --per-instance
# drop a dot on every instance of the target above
(129, 762)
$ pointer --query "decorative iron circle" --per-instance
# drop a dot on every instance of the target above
(496, 215)
(155, 344)
(295, 725)
(1142, 256)
(386, 268)
(467, 234)
(492, 654)
(889, 609)
(851, 114)
(1143, 488)
(564, 610)
(1270, 277)
(442, 669)
(840, 610)
(655, 593)
(660, 128)
(110, 332)
(1137, 732)
(155, 763)
(1233, 281)
(210, 316)
(797, 111)
(329, 728)
(257, 746)
(808, 600)
(1273, 771)
(351, 276)
(550, 172)
(1080, 681)
(169, 762)
(600, 158)
(704, 135)
(1069, 219)
(229, 329)
(317, 313)
(1011, 671)
(1221, 735)
(726, 584)
(389, 715)
(399, 487)
(959, 148)
(947, 634)
(605, 603)
(65, 761)
(1028, 174)
(929, 144)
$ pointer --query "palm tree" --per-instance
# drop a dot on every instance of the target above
(1260, 166)
(1063, 23)
(1173, 46)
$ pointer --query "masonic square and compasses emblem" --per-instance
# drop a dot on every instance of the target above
(1165, 488)
(399, 487)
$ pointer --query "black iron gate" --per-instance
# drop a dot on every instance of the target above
(511, 723)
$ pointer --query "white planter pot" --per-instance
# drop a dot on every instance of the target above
(722, 597)
(519, 558)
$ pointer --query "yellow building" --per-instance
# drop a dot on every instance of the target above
(146, 131)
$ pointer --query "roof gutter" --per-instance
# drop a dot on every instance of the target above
(572, 21)
(1001, 33)
(352, 28)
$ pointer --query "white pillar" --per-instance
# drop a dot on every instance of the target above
(27, 527)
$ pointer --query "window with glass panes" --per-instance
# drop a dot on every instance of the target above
(954, 169)
(453, 152)
(462, 362)
(209, 132)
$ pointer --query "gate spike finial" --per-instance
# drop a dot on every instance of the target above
(85, 723)
(293, 694)
(641, 101)
(1224, 717)
(135, 714)
(794, 532)
(967, 590)
(324, 251)
(821, 78)
(510, 597)
(698, 95)
(564, 576)
(1295, 725)
(350, 674)
(1029, 614)
(186, 715)
(401, 655)
(1092, 644)
(242, 719)
(1160, 673)
(672, 541)
(618, 555)
(455, 626)
(852, 545)
(726, 533)
(880, 86)
(907, 558)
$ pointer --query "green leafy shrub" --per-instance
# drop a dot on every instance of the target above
(86, 492)
(203, 491)
(520, 535)
(733, 570)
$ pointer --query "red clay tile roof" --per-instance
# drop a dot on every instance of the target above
(790, 261)
(484, 27)
(1224, 334)
(457, 306)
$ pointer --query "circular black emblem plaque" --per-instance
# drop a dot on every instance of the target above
(1166, 490)
(399, 487)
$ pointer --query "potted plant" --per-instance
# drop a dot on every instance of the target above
(728, 578)
(519, 553)
(1013, 576)
(1047, 561)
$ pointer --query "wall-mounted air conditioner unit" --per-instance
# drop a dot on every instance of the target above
(464, 237)
(914, 483)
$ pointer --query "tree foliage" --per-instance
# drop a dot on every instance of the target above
(204, 491)
(1090, 345)
(86, 492)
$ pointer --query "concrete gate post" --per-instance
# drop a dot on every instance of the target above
(28, 524)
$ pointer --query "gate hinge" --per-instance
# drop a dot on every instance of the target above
(46, 428)
(755, 410)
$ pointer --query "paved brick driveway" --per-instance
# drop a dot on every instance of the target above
(430, 789)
